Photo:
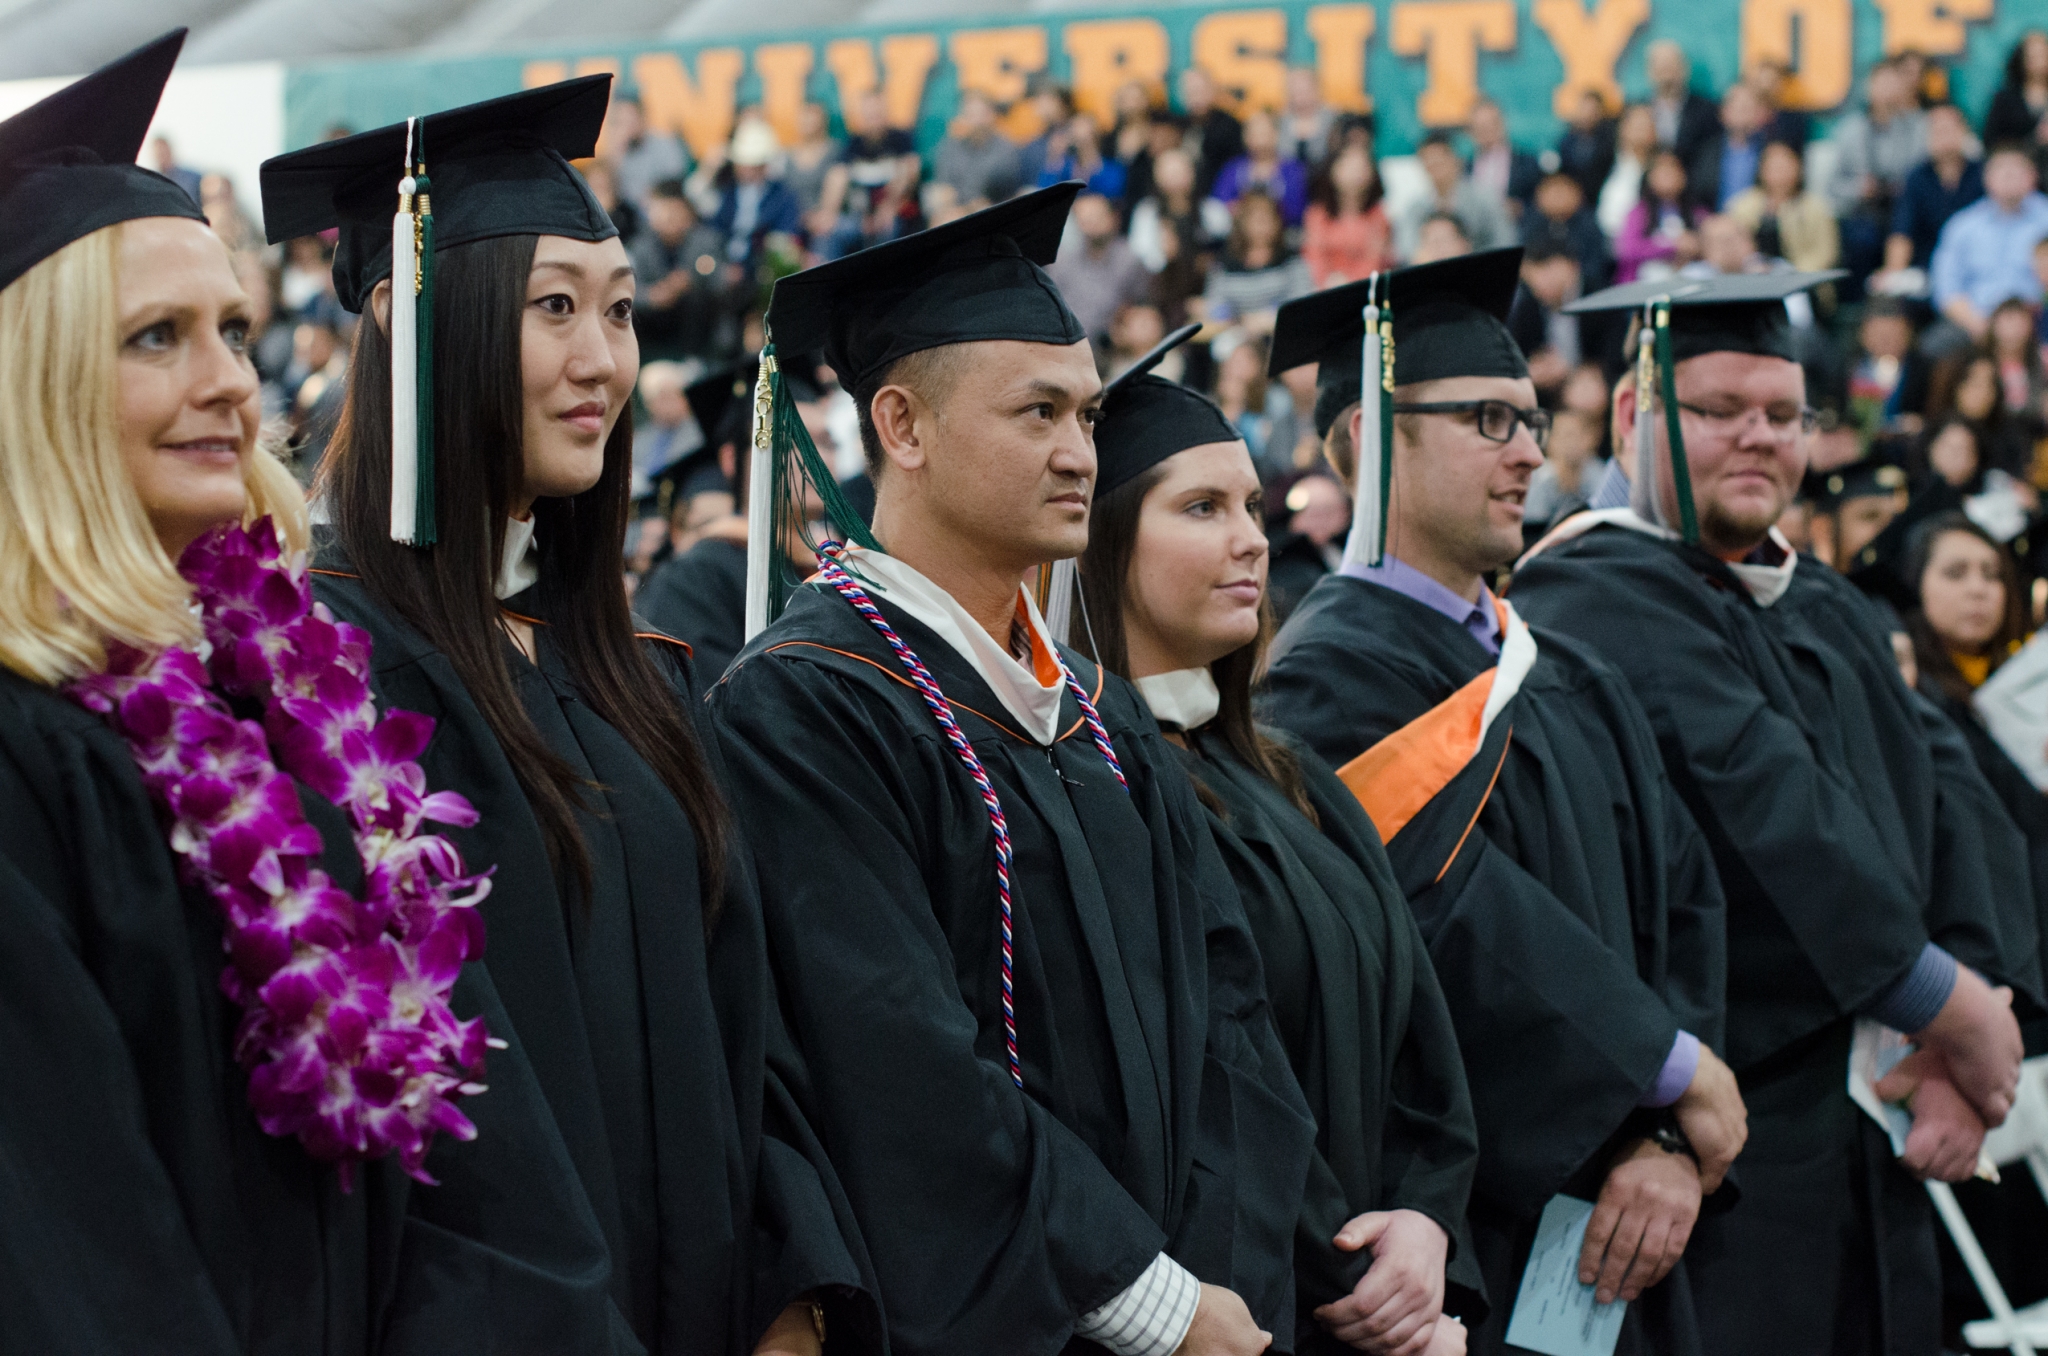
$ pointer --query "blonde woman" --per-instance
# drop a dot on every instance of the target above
(233, 1056)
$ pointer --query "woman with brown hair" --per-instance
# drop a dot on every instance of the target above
(626, 933)
(243, 1114)
(1173, 591)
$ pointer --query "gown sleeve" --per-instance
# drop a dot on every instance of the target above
(991, 1225)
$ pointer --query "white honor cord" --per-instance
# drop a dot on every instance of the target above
(405, 450)
(761, 538)
(1363, 543)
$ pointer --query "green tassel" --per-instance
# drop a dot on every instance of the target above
(790, 435)
(1667, 388)
(1386, 376)
(423, 529)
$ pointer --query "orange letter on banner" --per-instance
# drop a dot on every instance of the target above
(1245, 53)
(1934, 27)
(1452, 32)
(785, 71)
(537, 73)
(699, 111)
(907, 60)
(997, 62)
(1589, 45)
(1341, 33)
(1108, 54)
(852, 63)
(1817, 62)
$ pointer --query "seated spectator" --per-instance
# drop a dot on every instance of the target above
(1971, 619)
(1661, 234)
(1852, 506)
(1291, 441)
(1130, 139)
(1171, 201)
(640, 159)
(1241, 394)
(1164, 132)
(1257, 271)
(1887, 377)
(2019, 111)
(225, 214)
(316, 384)
(1096, 270)
(1686, 119)
(1052, 105)
(308, 273)
(1306, 124)
(1182, 278)
(1499, 168)
(1586, 149)
(1214, 138)
(2013, 344)
(1949, 455)
(1587, 390)
(1262, 167)
(2041, 280)
(1635, 136)
(669, 435)
(870, 195)
(679, 262)
(1986, 251)
(976, 160)
(164, 160)
(754, 206)
(604, 186)
(1789, 221)
(1876, 147)
(1572, 468)
(1726, 164)
(1767, 78)
(1442, 237)
(1968, 387)
(810, 160)
(1480, 215)
(1135, 331)
(1551, 339)
(1936, 189)
(1560, 219)
(1345, 233)
(1307, 519)
(1077, 154)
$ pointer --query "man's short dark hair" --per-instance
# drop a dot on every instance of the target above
(1439, 138)
(669, 188)
(929, 372)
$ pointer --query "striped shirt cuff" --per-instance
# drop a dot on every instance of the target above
(1917, 999)
(1151, 1317)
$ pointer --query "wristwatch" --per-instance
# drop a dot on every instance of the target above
(1666, 1134)
(818, 1320)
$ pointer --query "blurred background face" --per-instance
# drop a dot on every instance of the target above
(2008, 178)
(1947, 133)
(1261, 135)
(1351, 173)
(1742, 113)
(1440, 239)
(1638, 131)
(1440, 163)
(1488, 129)
(1667, 65)
(1962, 593)
(2012, 328)
(1779, 170)
(1667, 177)
(1302, 94)
(1953, 455)
(1198, 566)
(1977, 393)
(1095, 218)
(1173, 172)
(1726, 244)
(1886, 336)
(188, 400)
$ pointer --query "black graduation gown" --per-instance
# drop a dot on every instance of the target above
(1158, 1111)
(660, 1054)
(700, 598)
(141, 1207)
(1808, 769)
(1359, 1011)
(1574, 935)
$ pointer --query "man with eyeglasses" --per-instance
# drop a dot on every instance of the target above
(1568, 900)
(1871, 882)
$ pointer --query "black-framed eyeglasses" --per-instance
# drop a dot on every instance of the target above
(1495, 419)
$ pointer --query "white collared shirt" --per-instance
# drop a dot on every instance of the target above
(1032, 695)
(519, 566)
(1185, 699)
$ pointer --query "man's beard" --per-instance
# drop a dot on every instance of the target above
(1746, 528)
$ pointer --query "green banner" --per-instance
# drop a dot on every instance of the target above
(1416, 64)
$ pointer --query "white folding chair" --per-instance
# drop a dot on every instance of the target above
(2022, 1139)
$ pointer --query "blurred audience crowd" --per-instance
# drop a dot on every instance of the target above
(1924, 361)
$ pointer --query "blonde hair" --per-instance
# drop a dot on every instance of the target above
(80, 565)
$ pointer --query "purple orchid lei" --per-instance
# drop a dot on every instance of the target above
(346, 1030)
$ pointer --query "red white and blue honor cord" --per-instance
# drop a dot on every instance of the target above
(833, 573)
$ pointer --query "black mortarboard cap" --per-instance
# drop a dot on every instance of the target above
(1449, 321)
(722, 402)
(67, 163)
(497, 168)
(978, 278)
(1145, 419)
(1866, 479)
(1728, 313)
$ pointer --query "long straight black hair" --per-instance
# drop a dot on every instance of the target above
(446, 591)
(1105, 573)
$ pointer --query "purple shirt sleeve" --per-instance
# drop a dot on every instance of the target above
(1676, 1076)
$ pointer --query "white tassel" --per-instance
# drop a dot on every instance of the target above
(762, 545)
(405, 407)
(1362, 546)
(1059, 599)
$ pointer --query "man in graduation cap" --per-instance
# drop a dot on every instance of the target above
(1871, 883)
(1567, 897)
(1030, 1001)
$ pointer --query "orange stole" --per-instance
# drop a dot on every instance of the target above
(1396, 777)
